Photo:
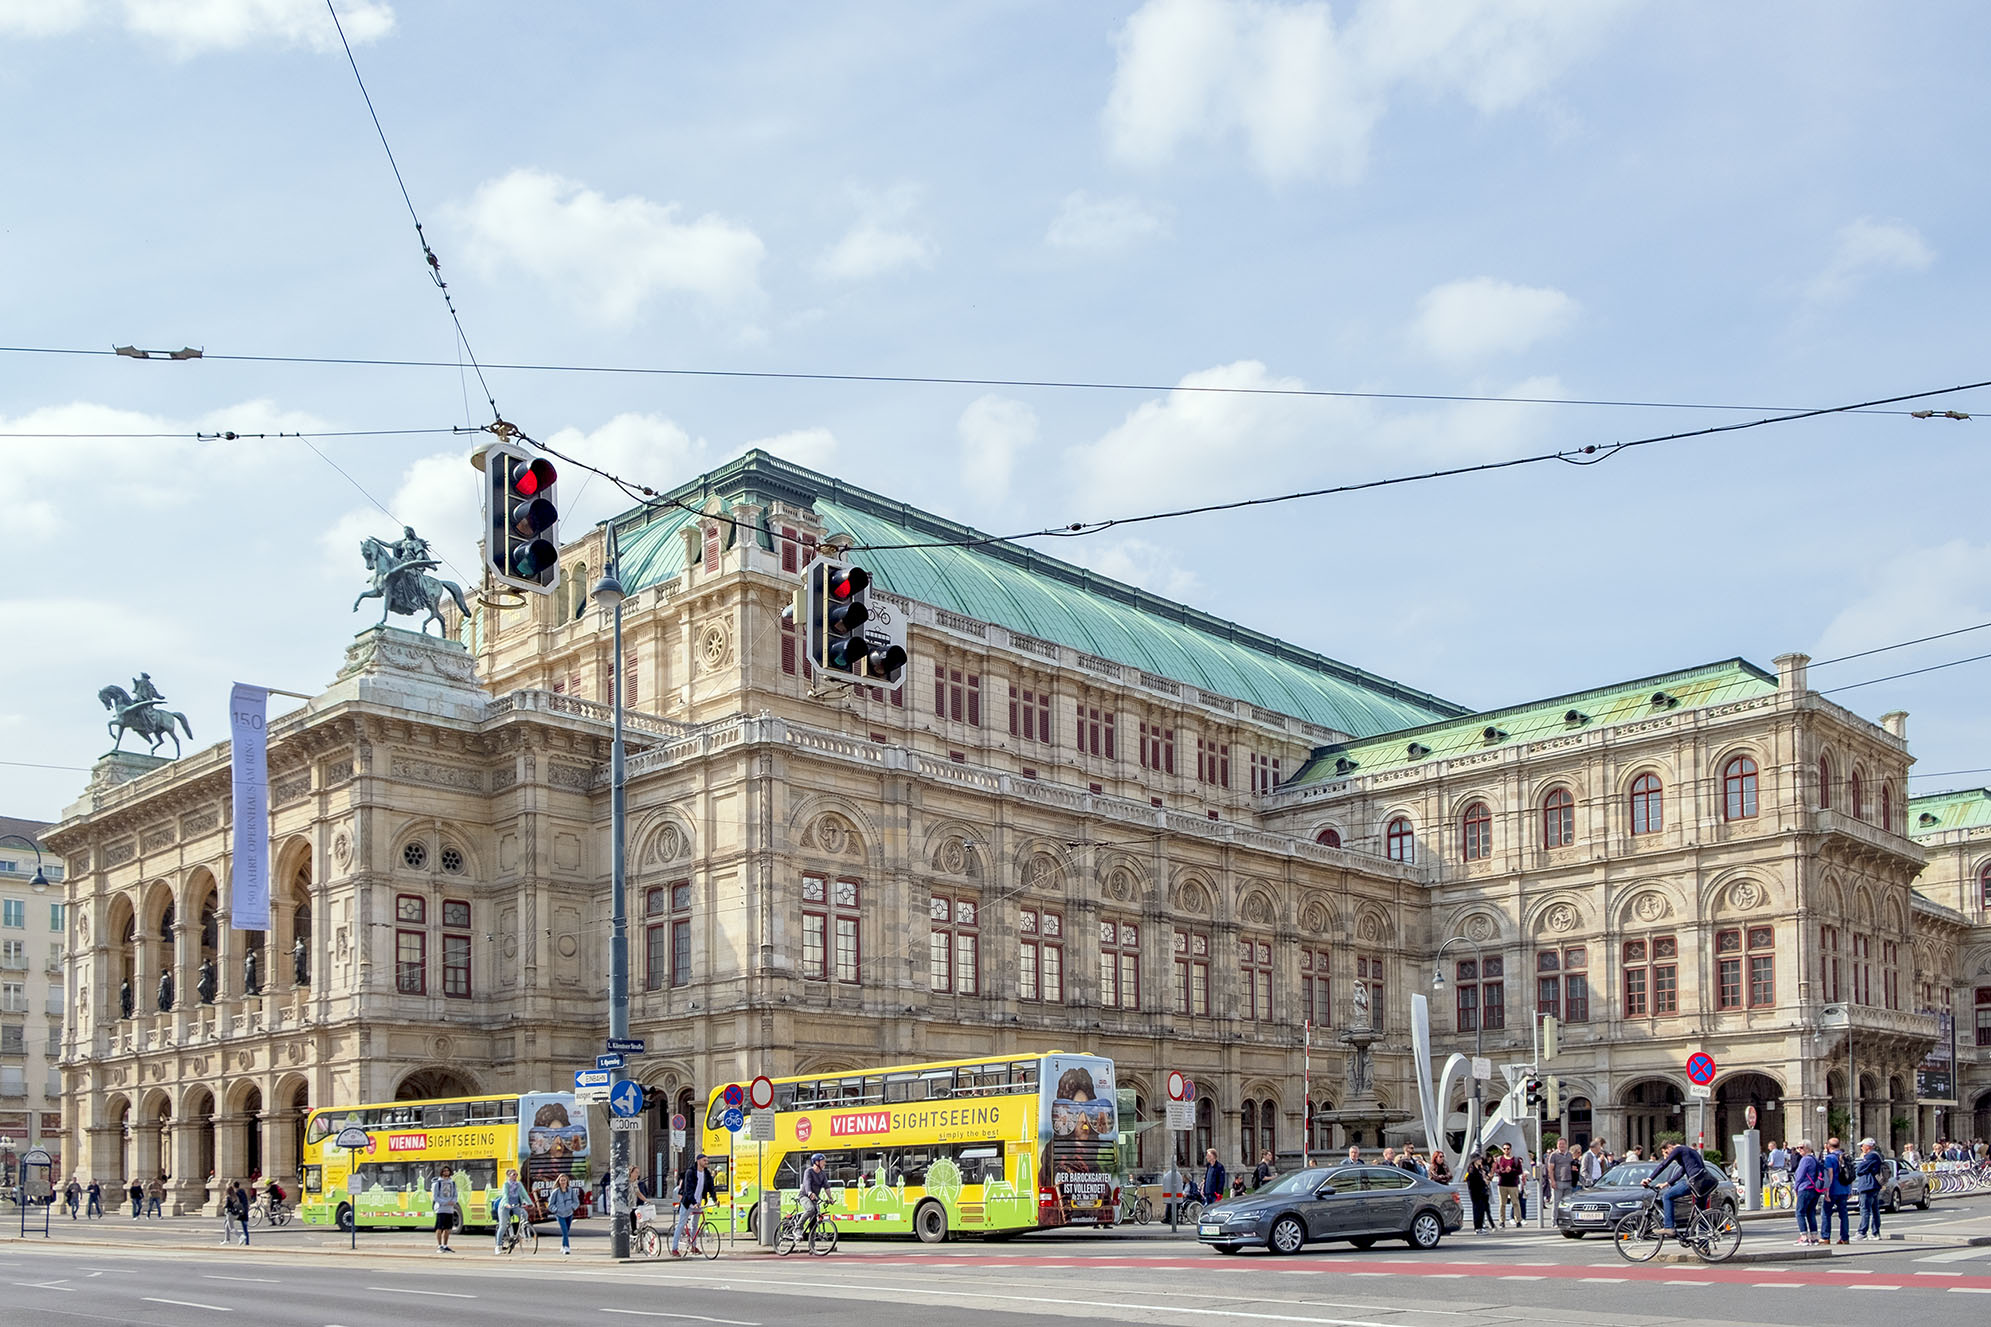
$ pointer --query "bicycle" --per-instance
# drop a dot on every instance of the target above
(817, 1233)
(519, 1231)
(1710, 1236)
(1140, 1211)
(701, 1237)
(267, 1213)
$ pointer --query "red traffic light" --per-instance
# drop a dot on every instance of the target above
(848, 581)
(531, 478)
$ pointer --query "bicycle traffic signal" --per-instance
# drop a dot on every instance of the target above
(840, 631)
(521, 518)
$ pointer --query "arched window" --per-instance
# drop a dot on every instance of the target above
(1824, 783)
(1738, 789)
(1402, 841)
(1558, 819)
(1329, 836)
(1268, 1128)
(1886, 808)
(1312, 1130)
(1648, 814)
(1984, 887)
(1476, 831)
(1856, 789)
(1247, 1133)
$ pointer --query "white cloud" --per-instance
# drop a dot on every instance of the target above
(189, 27)
(993, 430)
(608, 256)
(813, 448)
(880, 241)
(439, 497)
(1138, 562)
(1916, 593)
(1304, 96)
(1867, 246)
(1479, 316)
(42, 18)
(1103, 225)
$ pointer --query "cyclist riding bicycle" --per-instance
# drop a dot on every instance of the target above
(693, 1191)
(815, 1182)
(1696, 1178)
(274, 1196)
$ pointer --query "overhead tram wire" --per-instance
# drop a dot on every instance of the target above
(939, 380)
(1898, 645)
(345, 475)
(1912, 672)
(232, 435)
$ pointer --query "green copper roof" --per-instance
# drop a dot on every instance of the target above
(1966, 808)
(1019, 588)
(1711, 684)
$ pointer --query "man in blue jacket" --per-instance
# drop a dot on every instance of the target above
(1216, 1180)
(1867, 1179)
(1695, 1178)
(1839, 1187)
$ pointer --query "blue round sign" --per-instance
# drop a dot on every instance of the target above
(1700, 1068)
(733, 1119)
(733, 1096)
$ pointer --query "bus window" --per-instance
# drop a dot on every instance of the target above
(989, 1079)
(850, 1091)
(395, 1117)
(806, 1096)
(981, 1164)
(1023, 1075)
(898, 1086)
(874, 1087)
(492, 1112)
(939, 1083)
(319, 1129)
(483, 1173)
(789, 1174)
(314, 1178)
(784, 1096)
(909, 1166)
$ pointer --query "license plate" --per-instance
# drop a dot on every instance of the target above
(1589, 1219)
(1209, 1230)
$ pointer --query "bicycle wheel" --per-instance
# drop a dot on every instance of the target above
(1143, 1212)
(530, 1237)
(789, 1236)
(1717, 1236)
(1637, 1236)
(1191, 1210)
(258, 1217)
(648, 1242)
(822, 1238)
(708, 1238)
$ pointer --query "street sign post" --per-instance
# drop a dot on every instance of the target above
(678, 1123)
(625, 1100)
(1700, 1091)
(1700, 1068)
(624, 1124)
(613, 1060)
(734, 1096)
(760, 1093)
(761, 1126)
(353, 1139)
(626, 1045)
(1483, 1068)
(1178, 1086)
(1181, 1115)
(591, 1077)
(592, 1096)
(732, 1119)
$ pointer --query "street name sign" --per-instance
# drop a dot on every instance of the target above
(1700, 1091)
(613, 1060)
(591, 1077)
(626, 1045)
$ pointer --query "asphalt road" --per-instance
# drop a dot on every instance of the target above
(176, 1272)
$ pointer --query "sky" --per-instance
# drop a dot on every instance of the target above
(1748, 207)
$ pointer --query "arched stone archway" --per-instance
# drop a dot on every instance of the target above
(1652, 1106)
(194, 1152)
(1733, 1096)
(425, 1084)
(1980, 1116)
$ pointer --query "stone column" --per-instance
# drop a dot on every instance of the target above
(104, 1142)
(187, 1190)
(280, 1159)
(231, 1148)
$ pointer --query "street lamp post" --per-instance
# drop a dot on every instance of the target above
(1841, 1015)
(40, 880)
(1477, 1123)
(609, 593)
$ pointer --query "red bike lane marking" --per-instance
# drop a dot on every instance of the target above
(1491, 1271)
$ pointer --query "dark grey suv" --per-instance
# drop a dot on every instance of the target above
(1620, 1193)
(1359, 1204)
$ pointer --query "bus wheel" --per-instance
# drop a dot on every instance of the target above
(345, 1217)
(930, 1223)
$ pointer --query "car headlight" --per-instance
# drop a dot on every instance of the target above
(1626, 1205)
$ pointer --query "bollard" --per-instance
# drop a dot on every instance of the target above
(768, 1223)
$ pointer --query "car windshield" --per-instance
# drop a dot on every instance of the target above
(1629, 1175)
(1300, 1181)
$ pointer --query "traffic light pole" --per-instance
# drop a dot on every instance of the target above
(620, 1198)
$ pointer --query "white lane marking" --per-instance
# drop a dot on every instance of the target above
(1873, 1287)
(1956, 1255)
(403, 1290)
(261, 1280)
(1849, 1271)
(1970, 1290)
(187, 1304)
(1689, 1283)
(47, 1285)
(949, 1292)
(683, 1317)
(1519, 1278)
(1774, 1285)
(1606, 1280)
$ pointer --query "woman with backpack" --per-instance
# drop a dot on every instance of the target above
(1810, 1182)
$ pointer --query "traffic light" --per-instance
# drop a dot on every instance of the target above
(840, 632)
(1533, 1093)
(1550, 1030)
(1552, 1101)
(521, 518)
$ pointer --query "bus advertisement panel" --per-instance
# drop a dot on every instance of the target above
(409, 1142)
(1080, 1127)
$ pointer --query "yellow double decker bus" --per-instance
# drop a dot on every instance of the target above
(992, 1145)
(543, 1134)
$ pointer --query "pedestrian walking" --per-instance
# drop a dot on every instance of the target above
(1806, 1183)
(1507, 1172)
(562, 1201)
(1838, 1188)
(1561, 1172)
(72, 1196)
(1476, 1190)
(1216, 1180)
(137, 1195)
(236, 1207)
(1591, 1172)
(96, 1195)
(155, 1196)
(512, 1200)
(443, 1199)
(1262, 1173)
(1866, 1183)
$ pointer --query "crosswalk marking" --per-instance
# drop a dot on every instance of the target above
(1957, 1255)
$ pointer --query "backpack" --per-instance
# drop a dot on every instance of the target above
(1842, 1172)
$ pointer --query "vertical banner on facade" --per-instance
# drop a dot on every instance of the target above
(248, 752)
